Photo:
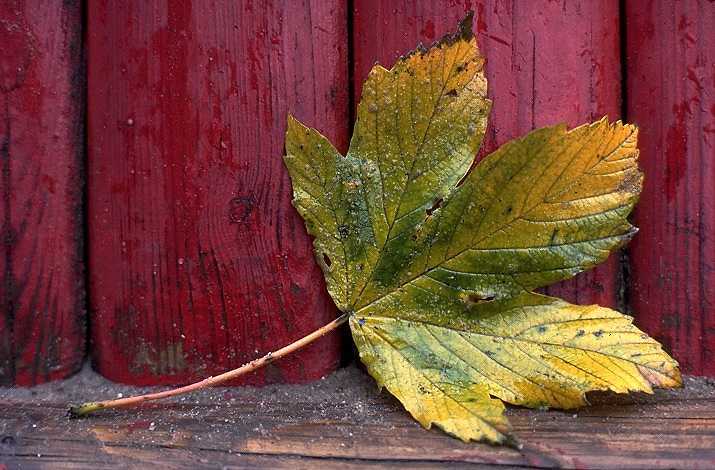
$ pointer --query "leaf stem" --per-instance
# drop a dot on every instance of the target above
(76, 411)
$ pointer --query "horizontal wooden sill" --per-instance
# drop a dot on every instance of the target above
(342, 422)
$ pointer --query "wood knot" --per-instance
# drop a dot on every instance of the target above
(239, 209)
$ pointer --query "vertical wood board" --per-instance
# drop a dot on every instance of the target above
(198, 262)
(670, 64)
(41, 112)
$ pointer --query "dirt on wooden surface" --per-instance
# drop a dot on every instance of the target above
(349, 384)
(87, 385)
(341, 421)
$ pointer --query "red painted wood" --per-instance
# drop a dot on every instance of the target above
(198, 262)
(670, 60)
(547, 62)
(41, 295)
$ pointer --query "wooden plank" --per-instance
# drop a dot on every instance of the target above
(198, 263)
(670, 57)
(547, 62)
(343, 422)
(41, 115)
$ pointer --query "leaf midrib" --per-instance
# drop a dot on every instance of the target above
(391, 224)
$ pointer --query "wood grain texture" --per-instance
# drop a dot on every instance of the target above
(547, 62)
(342, 422)
(198, 262)
(41, 115)
(670, 65)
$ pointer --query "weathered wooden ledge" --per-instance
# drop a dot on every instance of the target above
(342, 422)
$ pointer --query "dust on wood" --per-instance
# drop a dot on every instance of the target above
(342, 420)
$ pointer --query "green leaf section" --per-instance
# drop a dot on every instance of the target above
(438, 275)
(539, 210)
(419, 126)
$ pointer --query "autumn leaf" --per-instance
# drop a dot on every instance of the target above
(436, 270)
(434, 265)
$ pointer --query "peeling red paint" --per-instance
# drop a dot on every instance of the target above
(428, 30)
(675, 148)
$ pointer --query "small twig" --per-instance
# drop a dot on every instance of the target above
(76, 411)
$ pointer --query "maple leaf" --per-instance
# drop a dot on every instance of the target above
(436, 269)
(434, 265)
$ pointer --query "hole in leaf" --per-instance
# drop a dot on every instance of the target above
(486, 298)
(452, 92)
(477, 297)
(326, 259)
(434, 207)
